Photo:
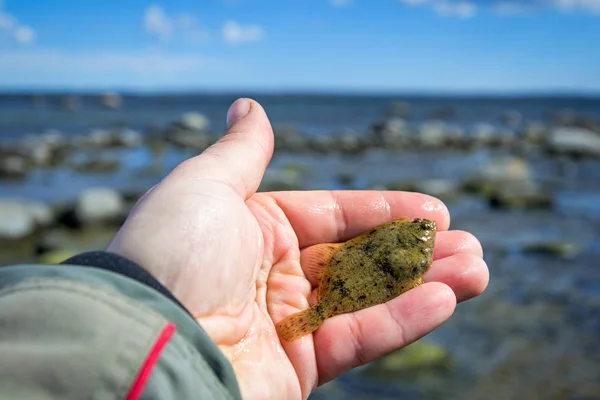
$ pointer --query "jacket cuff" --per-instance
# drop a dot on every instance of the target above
(121, 265)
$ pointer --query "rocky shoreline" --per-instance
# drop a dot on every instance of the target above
(505, 182)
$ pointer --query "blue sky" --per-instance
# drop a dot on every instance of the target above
(308, 45)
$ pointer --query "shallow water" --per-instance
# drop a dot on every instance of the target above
(533, 334)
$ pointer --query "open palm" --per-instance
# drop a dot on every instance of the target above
(233, 257)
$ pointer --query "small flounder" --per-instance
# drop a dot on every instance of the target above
(370, 269)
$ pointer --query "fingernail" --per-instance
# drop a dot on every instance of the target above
(238, 110)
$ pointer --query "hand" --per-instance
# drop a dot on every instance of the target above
(233, 258)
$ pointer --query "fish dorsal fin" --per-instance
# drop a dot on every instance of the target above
(316, 259)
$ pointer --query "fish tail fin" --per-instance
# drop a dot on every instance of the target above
(299, 324)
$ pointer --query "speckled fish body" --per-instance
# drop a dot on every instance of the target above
(365, 271)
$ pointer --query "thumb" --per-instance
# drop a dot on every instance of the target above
(240, 157)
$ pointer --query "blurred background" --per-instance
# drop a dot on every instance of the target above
(492, 106)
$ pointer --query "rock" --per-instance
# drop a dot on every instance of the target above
(290, 139)
(99, 206)
(414, 359)
(105, 138)
(432, 134)
(127, 138)
(51, 240)
(443, 189)
(503, 137)
(190, 131)
(19, 219)
(391, 133)
(570, 118)
(567, 250)
(455, 135)
(483, 134)
(322, 144)
(54, 138)
(281, 179)
(37, 150)
(190, 139)
(398, 109)
(507, 182)
(577, 142)
(520, 195)
(111, 100)
(511, 118)
(13, 167)
(534, 132)
(193, 121)
(504, 169)
(100, 138)
(351, 143)
(16, 221)
(42, 214)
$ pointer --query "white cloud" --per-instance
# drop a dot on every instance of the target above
(447, 8)
(235, 33)
(468, 8)
(24, 34)
(459, 9)
(190, 28)
(13, 30)
(157, 23)
(340, 3)
(7, 21)
(573, 5)
(183, 27)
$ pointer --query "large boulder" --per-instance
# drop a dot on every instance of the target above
(507, 182)
(534, 132)
(288, 138)
(351, 143)
(99, 206)
(576, 142)
(13, 167)
(391, 133)
(282, 179)
(444, 189)
(190, 131)
(193, 121)
(483, 134)
(432, 134)
(127, 138)
(19, 218)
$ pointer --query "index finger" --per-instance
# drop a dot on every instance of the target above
(335, 216)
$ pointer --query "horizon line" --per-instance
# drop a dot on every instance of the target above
(516, 93)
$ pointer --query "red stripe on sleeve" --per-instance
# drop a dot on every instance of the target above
(140, 381)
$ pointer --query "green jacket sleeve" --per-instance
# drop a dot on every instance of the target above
(70, 332)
